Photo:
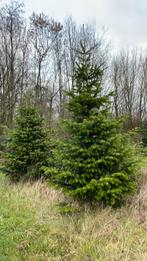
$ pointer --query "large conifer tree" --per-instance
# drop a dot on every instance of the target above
(96, 162)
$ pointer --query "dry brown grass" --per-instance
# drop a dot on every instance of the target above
(42, 231)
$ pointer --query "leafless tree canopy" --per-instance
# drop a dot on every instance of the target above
(39, 55)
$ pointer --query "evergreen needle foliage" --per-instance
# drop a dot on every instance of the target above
(144, 133)
(27, 145)
(95, 161)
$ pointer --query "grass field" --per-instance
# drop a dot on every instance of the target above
(36, 225)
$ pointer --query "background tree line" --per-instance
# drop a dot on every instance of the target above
(39, 55)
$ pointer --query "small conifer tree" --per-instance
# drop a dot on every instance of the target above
(27, 145)
(96, 161)
(144, 133)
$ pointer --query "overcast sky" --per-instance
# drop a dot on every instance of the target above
(126, 20)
